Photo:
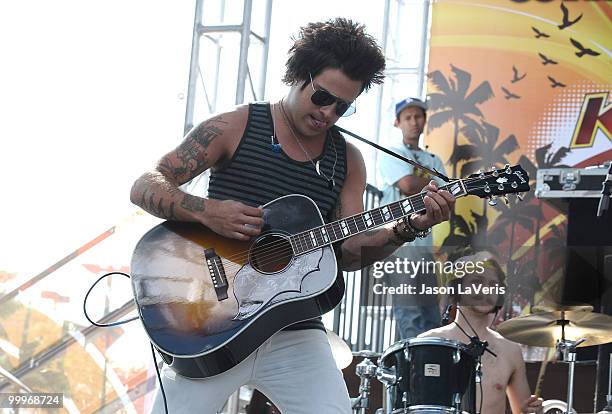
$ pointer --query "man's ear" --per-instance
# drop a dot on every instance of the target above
(396, 122)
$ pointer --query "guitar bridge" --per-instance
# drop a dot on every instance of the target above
(217, 273)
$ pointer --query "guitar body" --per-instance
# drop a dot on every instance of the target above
(207, 302)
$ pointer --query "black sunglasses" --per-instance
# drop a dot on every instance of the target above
(321, 97)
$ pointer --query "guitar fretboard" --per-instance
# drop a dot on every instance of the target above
(327, 234)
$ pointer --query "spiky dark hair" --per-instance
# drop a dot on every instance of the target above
(339, 44)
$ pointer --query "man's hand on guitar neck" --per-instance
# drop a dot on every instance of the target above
(438, 205)
(232, 219)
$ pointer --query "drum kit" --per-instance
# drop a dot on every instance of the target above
(440, 376)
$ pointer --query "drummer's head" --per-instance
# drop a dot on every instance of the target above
(483, 289)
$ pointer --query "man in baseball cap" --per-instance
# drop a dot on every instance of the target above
(405, 103)
(413, 314)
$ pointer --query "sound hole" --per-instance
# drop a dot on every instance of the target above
(271, 253)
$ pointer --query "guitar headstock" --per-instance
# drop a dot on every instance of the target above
(498, 181)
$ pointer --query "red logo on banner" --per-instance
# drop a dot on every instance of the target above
(594, 115)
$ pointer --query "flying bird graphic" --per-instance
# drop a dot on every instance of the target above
(566, 21)
(515, 75)
(509, 95)
(539, 33)
(555, 83)
(583, 50)
(546, 60)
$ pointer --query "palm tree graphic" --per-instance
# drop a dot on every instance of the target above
(453, 103)
(483, 150)
(468, 233)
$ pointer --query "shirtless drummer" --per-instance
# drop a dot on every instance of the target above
(502, 375)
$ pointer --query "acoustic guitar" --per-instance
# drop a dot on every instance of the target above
(207, 302)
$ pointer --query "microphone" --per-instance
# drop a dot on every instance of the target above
(606, 187)
(477, 348)
(276, 148)
(446, 315)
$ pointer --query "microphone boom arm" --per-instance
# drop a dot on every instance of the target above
(383, 149)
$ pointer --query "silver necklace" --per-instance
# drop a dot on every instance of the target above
(331, 183)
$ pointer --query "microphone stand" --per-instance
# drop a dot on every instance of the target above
(475, 342)
(476, 348)
(446, 316)
(606, 190)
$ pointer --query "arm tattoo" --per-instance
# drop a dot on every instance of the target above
(192, 203)
(147, 202)
(165, 167)
(192, 153)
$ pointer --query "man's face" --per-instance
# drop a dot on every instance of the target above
(314, 120)
(412, 122)
(481, 302)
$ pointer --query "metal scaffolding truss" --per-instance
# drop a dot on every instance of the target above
(393, 31)
(391, 43)
(214, 33)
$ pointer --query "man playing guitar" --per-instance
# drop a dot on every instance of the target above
(260, 152)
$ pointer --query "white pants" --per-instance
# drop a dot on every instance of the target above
(294, 369)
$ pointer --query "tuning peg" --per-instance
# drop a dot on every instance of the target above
(508, 169)
(494, 171)
(487, 189)
(520, 196)
(506, 200)
(492, 201)
(514, 184)
(481, 174)
(500, 187)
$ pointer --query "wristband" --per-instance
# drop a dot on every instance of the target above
(421, 234)
(405, 235)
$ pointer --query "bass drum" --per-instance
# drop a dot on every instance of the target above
(428, 376)
(555, 407)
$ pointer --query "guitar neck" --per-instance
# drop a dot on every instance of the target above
(330, 233)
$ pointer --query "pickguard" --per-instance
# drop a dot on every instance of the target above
(254, 290)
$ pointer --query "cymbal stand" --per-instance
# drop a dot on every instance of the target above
(608, 408)
(366, 370)
(568, 348)
(609, 395)
(478, 381)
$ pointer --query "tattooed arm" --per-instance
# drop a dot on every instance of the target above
(382, 241)
(207, 145)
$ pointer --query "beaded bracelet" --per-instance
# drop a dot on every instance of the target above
(405, 235)
(421, 234)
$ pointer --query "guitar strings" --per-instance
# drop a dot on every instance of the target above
(271, 250)
(275, 247)
(242, 255)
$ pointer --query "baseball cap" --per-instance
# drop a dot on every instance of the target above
(399, 107)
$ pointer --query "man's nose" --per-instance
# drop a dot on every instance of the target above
(328, 111)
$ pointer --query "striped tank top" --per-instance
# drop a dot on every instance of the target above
(256, 174)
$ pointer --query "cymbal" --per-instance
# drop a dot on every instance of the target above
(552, 307)
(544, 329)
(340, 350)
